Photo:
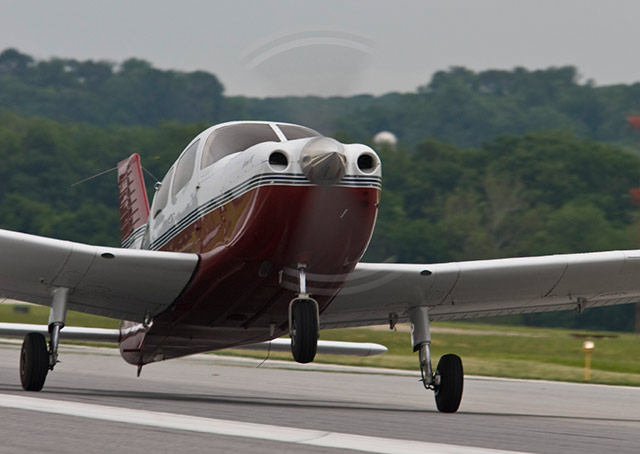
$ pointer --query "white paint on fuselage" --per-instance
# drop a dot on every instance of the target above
(238, 173)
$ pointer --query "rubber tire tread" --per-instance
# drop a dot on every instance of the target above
(305, 344)
(449, 393)
(34, 362)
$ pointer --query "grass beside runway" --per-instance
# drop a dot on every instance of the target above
(39, 315)
(491, 350)
(501, 351)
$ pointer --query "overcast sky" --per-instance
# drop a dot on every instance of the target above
(333, 47)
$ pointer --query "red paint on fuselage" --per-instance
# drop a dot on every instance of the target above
(247, 247)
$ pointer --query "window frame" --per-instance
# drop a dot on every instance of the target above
(189, 153)
(163, 192)
(311, 132)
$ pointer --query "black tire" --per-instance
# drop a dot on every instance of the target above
(449, 391)
(34, 362)
(304, 331)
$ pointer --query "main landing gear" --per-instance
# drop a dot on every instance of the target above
(36, 360)
(448, 379)
(303, 323)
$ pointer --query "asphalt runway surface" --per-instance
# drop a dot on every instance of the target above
(93, 402)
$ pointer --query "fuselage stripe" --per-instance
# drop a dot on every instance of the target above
(268, 179)
(135, 235)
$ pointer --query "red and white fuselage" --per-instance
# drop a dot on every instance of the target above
(256, 201)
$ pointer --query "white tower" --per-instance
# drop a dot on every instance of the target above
(385, 138)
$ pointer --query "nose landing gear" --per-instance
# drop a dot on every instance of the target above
(448, 379)
(304, 323)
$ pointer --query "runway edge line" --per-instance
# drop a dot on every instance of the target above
(236, 428)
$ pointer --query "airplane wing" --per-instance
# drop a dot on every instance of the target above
(119, 283)
(376, 293)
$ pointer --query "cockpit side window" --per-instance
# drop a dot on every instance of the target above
(234, 138)
(185, 168)
(293, 132)
(162, 196)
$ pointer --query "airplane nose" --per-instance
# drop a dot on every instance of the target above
(323, 161)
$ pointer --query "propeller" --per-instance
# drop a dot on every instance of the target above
(322, 63)
(314, 62)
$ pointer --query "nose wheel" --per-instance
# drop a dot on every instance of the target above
(304, 329)
(304, 323)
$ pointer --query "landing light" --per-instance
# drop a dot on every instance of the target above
(588, 350)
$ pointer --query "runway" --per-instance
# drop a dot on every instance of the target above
(93, 402)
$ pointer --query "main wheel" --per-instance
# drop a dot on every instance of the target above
(304, 331)
(34, 362)
(449, 391)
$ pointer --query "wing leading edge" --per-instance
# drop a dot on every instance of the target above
(374, 293)
(119, 283)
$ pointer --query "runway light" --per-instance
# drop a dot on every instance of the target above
(588, 350)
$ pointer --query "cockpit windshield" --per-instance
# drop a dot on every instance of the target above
(234, 138)
(293, 132)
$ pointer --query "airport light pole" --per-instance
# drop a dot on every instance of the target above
(588, 350)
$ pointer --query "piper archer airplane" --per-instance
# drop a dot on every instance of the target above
(257, 230)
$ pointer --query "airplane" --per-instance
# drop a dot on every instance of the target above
(257, 231)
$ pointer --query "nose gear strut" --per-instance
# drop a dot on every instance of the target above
(304, 322)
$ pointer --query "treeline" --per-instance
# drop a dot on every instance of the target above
(103, 93)
(42, 160)
(465, 108)
(519, 195)
(456, 106)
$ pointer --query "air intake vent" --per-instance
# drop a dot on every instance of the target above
(278, 161)
(366, 163)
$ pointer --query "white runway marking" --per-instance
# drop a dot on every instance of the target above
(236, 428)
